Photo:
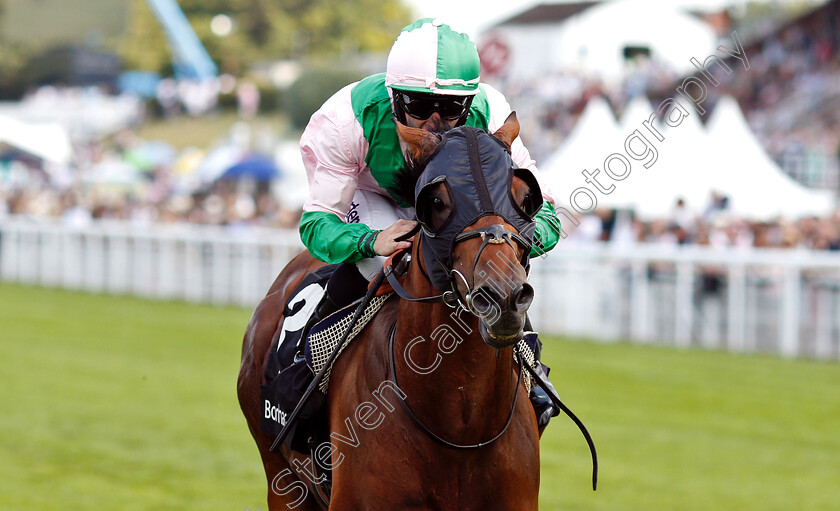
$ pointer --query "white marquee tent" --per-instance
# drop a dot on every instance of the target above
(635, 113)
(48, 141)
(755, 183)
(693, 161)
(651, 191)
(596, 131)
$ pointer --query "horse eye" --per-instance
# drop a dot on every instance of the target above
(438, 204)
(526, 199)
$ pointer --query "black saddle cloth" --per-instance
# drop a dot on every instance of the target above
(287, 376)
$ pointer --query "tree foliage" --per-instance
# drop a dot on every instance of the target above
(268, 30)
(12, 61)
(311, 89)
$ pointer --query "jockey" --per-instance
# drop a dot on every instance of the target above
(352, 155)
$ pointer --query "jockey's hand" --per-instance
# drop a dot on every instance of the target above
(385, 245)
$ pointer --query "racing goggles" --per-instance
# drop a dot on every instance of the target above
(421, 105)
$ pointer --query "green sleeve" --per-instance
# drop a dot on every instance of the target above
(333, 241)
(547, 233)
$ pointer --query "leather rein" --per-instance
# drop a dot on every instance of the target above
(396, 265)
(392, 374)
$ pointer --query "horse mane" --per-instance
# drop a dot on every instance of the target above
(406, 178)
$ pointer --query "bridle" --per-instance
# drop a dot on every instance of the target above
(461, 157)
(495, 234)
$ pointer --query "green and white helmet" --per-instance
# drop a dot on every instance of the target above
(428, 56)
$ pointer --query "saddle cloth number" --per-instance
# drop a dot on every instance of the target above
(304, 304)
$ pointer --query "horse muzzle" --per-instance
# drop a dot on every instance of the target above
(501, 312)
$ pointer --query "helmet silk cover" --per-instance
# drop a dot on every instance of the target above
(430, 57)
(478, 172)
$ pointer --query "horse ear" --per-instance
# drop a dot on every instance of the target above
(418, 143)
(509, 130)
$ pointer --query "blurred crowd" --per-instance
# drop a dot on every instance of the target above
(551, 104)
(153, 200)
(115, 174)
(790, 95)
(715, 227)
(221, 205)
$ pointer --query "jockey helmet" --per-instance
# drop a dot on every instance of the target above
(428, 56)
(432, 68)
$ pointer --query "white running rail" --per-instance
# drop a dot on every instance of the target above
(784, 302)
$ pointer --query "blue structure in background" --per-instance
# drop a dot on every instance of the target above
(257, 167)
(189, 58)
(142, 83)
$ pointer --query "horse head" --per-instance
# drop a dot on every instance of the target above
(476, 211)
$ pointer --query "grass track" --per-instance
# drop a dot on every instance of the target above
(120, 403)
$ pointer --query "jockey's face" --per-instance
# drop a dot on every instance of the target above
(434, 123)
(425, 111)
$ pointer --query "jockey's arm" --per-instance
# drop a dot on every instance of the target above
(333, 150)
(547, 232)
(331, 240)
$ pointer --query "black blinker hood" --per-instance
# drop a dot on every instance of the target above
(477, 170)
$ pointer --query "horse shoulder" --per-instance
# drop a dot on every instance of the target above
(359, 418)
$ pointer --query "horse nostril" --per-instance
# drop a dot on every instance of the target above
(523, 296)
(485, 301)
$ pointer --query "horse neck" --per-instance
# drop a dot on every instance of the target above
(451, 377)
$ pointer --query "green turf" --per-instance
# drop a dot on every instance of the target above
(119, 403)
(693, 430)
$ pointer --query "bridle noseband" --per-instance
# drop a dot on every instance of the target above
(495, 234)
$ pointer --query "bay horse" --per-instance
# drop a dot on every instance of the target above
(427, 406)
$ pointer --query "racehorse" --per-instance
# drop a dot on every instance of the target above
(427, 407)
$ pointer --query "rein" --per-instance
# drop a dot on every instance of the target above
(495, 234)
(391, 270)
(489, 235)
(393, 376)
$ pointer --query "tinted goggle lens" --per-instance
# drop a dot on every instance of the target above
(449, 108)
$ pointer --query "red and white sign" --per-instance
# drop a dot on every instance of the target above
(495, 55)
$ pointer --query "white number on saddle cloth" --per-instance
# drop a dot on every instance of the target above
(310, 296)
